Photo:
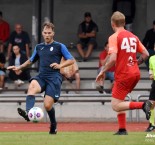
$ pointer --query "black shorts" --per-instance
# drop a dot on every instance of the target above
(85, 44)
(152, 92)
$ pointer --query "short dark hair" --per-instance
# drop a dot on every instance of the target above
(87, 14)
(1, 14)
(154, 22)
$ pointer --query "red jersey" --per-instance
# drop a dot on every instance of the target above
(4, 31)
(126, 45)
(102, 56)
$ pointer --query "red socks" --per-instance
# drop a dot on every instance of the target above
(122, 116)
(136, 105)
(122, 120)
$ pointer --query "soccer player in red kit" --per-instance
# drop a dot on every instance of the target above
(123, 46)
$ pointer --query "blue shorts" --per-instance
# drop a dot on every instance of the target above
(51, 86)
(108, 75)
(2, 73)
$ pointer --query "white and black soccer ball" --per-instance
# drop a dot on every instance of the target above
(35, 114)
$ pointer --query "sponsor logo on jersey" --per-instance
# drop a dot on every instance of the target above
(42, 48)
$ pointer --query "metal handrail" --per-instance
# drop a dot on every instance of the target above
(6, 96)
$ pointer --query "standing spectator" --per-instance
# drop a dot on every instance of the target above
(17, 59)
(123, 47)
(70, 73)
(128, 8)
(20, 38)
(4, 32)
(149, 42)
(2, 71)
(103, 57)
(87, 36)
(151, 126)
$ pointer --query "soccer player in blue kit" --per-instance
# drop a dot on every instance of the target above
(49, 78)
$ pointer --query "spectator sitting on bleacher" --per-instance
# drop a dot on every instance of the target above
(87, 36)
(103, 56)
(4, 32)
(2, 71)
(70, 73)
(20, 38)
(17, 59)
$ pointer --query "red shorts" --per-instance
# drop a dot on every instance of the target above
(123, 87)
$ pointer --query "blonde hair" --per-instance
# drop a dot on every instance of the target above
(118, 19)
(48, 25)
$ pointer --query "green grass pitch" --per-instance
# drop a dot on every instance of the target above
(75, 138)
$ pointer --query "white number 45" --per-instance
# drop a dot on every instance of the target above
(129, 44)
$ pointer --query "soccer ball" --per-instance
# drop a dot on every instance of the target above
(35, 114)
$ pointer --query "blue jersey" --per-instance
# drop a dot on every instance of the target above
(48, 54)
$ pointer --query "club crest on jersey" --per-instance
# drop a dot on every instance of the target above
(51, 49)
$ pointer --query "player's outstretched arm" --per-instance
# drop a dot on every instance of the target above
(25, 65)
(11, 67)
(21, 67)
(143, 57)
(100, 77)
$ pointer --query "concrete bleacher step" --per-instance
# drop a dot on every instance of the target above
(86, 73)
(94, 65)
(95, 52)
(144, 84)
(89, 70)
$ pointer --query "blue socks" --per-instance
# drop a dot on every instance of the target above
(30, 101)
(51, 115)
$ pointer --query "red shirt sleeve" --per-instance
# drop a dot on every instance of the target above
(5, 33)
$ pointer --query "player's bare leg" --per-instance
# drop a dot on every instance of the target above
(34, 88)
(120, 105)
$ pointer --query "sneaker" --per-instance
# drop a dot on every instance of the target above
(23, 113)
(100, 89)
(53, 128)
(19, 82)
(150, 128)
(85, 59)
(121, 132)
(146, 108)
(16, 82)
